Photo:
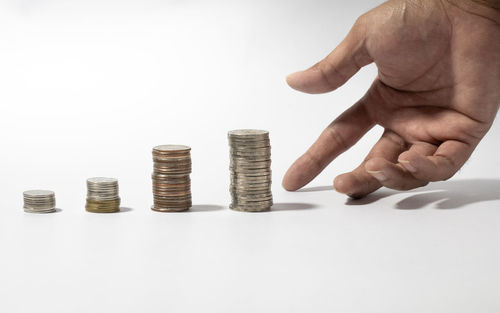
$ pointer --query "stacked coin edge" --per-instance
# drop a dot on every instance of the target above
(102, 195)
(171, 178)
(250, 168)
(39, 201)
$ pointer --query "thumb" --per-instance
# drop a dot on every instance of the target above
(338, 67)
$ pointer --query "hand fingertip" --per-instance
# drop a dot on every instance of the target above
(285, 183)
(291, 79)
(292, 181)
(288, 187)
(338, 184)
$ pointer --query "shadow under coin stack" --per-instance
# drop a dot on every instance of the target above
(171, 182)
(102, 195)
(250, 154)
(39, 201)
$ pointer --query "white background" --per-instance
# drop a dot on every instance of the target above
(88, 88)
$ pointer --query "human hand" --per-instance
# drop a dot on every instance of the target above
(436, 94)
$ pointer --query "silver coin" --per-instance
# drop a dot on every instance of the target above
(250, 179)
(39, 201)
(172, 148)
(247, 133)
(37, 210)
(250, 170)
(38, 193)
(102, 194)
(102, 180)
(253, 203)
(247, 139)
(237, 207)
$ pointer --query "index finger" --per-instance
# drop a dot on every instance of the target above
(339, 136)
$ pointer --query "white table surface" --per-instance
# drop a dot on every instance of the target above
(88, 88)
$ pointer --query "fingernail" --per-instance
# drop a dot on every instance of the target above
(408, 166)
(378, 175)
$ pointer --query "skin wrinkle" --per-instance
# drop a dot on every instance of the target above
(363, 104)
(492, 4)
(419, 94)
(404, 13)
(474, 13)
(426, 71)
(484, 120)
(400, 33)
(441, 2)
(373, 95)
(327, 76)
(336, 137)
(318, 163)
(430, 67)
(397, 140)
(438, 60)
(451, 162)
(355, 61)
(361, 29)
(438, 77)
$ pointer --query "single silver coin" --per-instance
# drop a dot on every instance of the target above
(172, 148)
(248, 132)
(102, 180)
(38, 193)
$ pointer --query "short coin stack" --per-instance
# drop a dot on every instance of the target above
(39, 201)
(250, 154)
(171, 182)
(102, 195)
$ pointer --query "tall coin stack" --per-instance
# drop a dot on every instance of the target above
(39, 201)
(102, 195)
(250, 154)
(171, 182)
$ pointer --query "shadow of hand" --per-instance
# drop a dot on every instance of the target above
(451, 194)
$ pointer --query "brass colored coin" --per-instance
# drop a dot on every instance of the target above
(171, 209)
(97, 210)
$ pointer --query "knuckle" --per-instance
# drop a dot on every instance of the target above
(360, 22)
(330, 73)
(448, 168)
(396, 139)
(335, 136)
(316, 164)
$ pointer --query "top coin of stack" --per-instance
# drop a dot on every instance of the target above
(250, 154)
(102, 195)
(39, 201)
(171, 181)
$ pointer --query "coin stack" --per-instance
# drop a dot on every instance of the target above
(171, 182)
(102, 195)
(250, 154)
(39, 201)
